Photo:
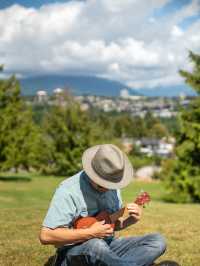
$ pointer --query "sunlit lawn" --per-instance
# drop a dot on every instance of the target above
(23, 205)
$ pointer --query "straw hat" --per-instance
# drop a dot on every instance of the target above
(107, 166)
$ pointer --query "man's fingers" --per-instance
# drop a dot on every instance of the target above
(135, 215)
(133, 211)
(107, 226)
(132, 205)
(136, 207)
(110, 232)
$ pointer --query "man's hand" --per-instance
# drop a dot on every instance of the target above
(101, 230)
(135, 211)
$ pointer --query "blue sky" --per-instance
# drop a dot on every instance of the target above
(141, 43)
(28, 3)
(170, 7)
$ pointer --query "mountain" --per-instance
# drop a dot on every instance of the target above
(79, 85)
(91, 85)
(172, 91)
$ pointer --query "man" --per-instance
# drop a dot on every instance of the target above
(106, 169)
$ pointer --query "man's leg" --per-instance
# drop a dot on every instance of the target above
(142, 250)
(97, 253)
(133, 251)
(85, 254)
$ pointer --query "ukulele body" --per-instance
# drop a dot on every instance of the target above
(86, 222)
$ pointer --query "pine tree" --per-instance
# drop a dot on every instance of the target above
(18, 133)
(68, 130)
(9, 104)
(183, 173)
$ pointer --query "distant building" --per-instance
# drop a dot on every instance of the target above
(57, 91)
(152, 146)
(165, 113)
(124, 93)
(84, 107)
(59, 97)
(42, 96)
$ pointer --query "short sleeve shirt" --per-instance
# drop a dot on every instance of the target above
(76, 197)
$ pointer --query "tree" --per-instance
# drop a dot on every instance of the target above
(123, 126)
(18, 133)
(158, 130)
(68, 130)
(183, 175)
(150, 120)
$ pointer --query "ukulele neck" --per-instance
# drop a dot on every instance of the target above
(123, 212)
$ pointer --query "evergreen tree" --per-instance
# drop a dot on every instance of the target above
(18, 133)
(183, 173)
(68, 130)
(9, 107)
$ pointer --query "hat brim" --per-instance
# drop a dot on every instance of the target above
(128, 173)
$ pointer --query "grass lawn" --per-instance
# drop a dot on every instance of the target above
(23, 204)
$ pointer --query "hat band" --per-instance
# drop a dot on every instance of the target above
(114, 177)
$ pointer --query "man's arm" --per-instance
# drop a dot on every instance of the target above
(63, 236)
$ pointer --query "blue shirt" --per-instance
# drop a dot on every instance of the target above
(76, 197)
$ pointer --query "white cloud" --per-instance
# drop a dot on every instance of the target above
(114, 67)
(156, 82)
(109, 38)
(176, 31)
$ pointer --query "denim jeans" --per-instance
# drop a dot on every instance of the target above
(126, 251)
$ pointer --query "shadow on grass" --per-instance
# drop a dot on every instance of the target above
(81, 262)
(50, 262)
(15, 178)
(168, 263)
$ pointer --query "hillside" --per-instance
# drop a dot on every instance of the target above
(91, 85)
(78, 85)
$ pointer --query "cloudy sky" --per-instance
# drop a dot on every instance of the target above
(142, 43)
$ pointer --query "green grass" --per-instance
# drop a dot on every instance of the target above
(23, 206)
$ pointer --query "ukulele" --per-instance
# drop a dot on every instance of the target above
(86, 222)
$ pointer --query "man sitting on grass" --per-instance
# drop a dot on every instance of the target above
(106, 169)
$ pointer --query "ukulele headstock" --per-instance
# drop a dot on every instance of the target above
(143, 198)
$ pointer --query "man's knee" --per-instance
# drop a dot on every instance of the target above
(96, 249)
(90, 251)
(97, 244)
(159, 242)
